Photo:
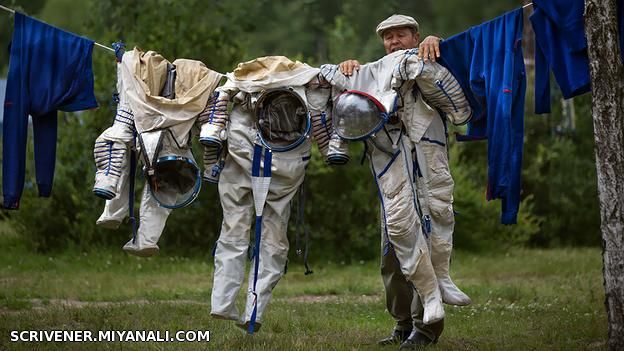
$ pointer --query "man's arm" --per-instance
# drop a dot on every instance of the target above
(429, 49)
(348, 67)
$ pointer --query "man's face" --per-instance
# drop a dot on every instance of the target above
(399, 38)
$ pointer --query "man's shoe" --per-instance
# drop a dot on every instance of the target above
(415, 340)
(397, 337)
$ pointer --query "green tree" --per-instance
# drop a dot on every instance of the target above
(559, 205)
(560, 174)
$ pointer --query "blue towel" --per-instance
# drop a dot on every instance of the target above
(560, 45)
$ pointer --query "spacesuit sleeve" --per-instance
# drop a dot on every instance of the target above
(213, 123)
(213, 120)
(320, 93)
(112, 148)
(438, 86)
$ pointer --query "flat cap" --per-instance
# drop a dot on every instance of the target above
(396, 21)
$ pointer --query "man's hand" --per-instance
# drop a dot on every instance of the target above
(429, 49)
(348, 67)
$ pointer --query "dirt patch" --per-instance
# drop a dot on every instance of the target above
(42, 304)
(10, 280)
(79, 304)
(331, 298)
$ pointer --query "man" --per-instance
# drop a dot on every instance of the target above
(435, 193)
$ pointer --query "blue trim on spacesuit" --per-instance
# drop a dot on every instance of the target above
(255, 172)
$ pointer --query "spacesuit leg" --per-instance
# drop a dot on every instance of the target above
(437, 189)
(393, 173)
(152, 220)
(116, 209)
(287, 175)
(233, 243)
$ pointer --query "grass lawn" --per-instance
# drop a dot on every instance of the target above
(522, 300)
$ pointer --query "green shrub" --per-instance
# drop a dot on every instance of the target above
(477, 221)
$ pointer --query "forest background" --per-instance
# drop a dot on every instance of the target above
(559, 201)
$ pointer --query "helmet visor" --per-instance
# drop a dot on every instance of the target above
(176, 181)
(357, 115)
(282, 119)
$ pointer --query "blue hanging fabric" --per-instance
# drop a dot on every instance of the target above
(260, 189)
(488, 63)
(49, 70)
(560, 45)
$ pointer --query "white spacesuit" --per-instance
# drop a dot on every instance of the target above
(268, 150)
(434, 90)
(159, 103)
(394, 145)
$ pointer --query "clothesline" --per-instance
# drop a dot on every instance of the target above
(113, 50)
(96, 43)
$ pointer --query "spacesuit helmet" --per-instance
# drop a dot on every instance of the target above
(358, 115)
(173, 176)
(282, 119)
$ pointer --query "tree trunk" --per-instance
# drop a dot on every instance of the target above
(607, 76)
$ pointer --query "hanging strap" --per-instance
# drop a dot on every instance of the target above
(260, 190)
(133, 165)
(364, 152)
(302, 229)
(417, 178)
(387, 245)
(120, 48)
